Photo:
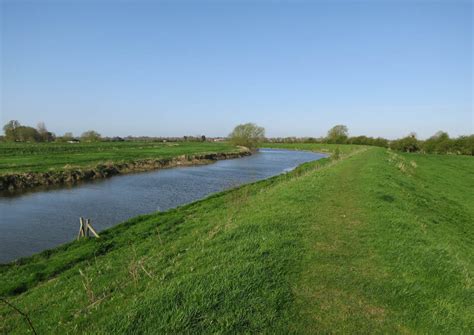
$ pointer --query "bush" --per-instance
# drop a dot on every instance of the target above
(439, 143)
(90, 136)
(463, 145)
(406, 144)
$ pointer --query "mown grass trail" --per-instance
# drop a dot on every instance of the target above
(375, 242)
(45, 157)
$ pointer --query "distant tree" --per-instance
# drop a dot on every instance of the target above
(380, 142)
(440, 135)
(68, 136)
(45, 135)
(464, 145)
(406, 144)
(247, 135)
(27, 134)
(338, 134)
(11, 125)
(364, 140)
(358, 140)
(10, 130)
(203, 138)
(65, 138)
(439, 143)
(90, 136)
(14, 131)
(41, 127)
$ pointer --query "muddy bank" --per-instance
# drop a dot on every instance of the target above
(20, 181)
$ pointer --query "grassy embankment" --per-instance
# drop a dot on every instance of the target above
(25, 166)
(374, 242)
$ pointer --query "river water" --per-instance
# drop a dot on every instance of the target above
(35, 221)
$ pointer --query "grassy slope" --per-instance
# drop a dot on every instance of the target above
(343, 148)
(375, 242)
(43, 157)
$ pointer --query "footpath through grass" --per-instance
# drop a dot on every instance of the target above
(45, 157)
(374, 242)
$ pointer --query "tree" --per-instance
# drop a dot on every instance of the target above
(380, 142)
(65, 138)
(90, 136)
(247, 135)
(338, 134)
(68, 136)
(364, 140)
(44, 134)
(41, 127)
(464, 145)
(407, 144)
(439, 143)
(14, 131)
(26, 134)
(10, 130)
(11, 125)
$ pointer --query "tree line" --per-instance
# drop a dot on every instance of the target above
(16, 132)
(250, 135)
(440, 143)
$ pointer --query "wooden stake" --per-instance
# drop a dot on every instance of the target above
(86, 233)
(85, 229)
(91, 229)
(81, 228)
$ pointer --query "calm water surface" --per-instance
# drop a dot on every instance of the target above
(36, 221)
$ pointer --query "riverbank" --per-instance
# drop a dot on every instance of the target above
(374, 242)
(104, 168)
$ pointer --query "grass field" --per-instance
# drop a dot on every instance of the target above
(44, 157)
(376, 242)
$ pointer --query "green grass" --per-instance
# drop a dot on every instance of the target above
(376, 242)
(44, 157)
(325, 148)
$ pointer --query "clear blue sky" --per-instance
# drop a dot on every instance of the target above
(383, 68)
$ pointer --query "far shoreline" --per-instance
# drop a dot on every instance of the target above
(17, 182)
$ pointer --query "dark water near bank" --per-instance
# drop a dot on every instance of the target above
(36, 221)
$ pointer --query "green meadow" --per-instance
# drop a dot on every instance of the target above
(45, 157)
(373, 242)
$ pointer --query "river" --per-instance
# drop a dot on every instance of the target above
(34, 221)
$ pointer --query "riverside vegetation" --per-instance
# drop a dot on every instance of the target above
(26, 165)
(375, 241)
